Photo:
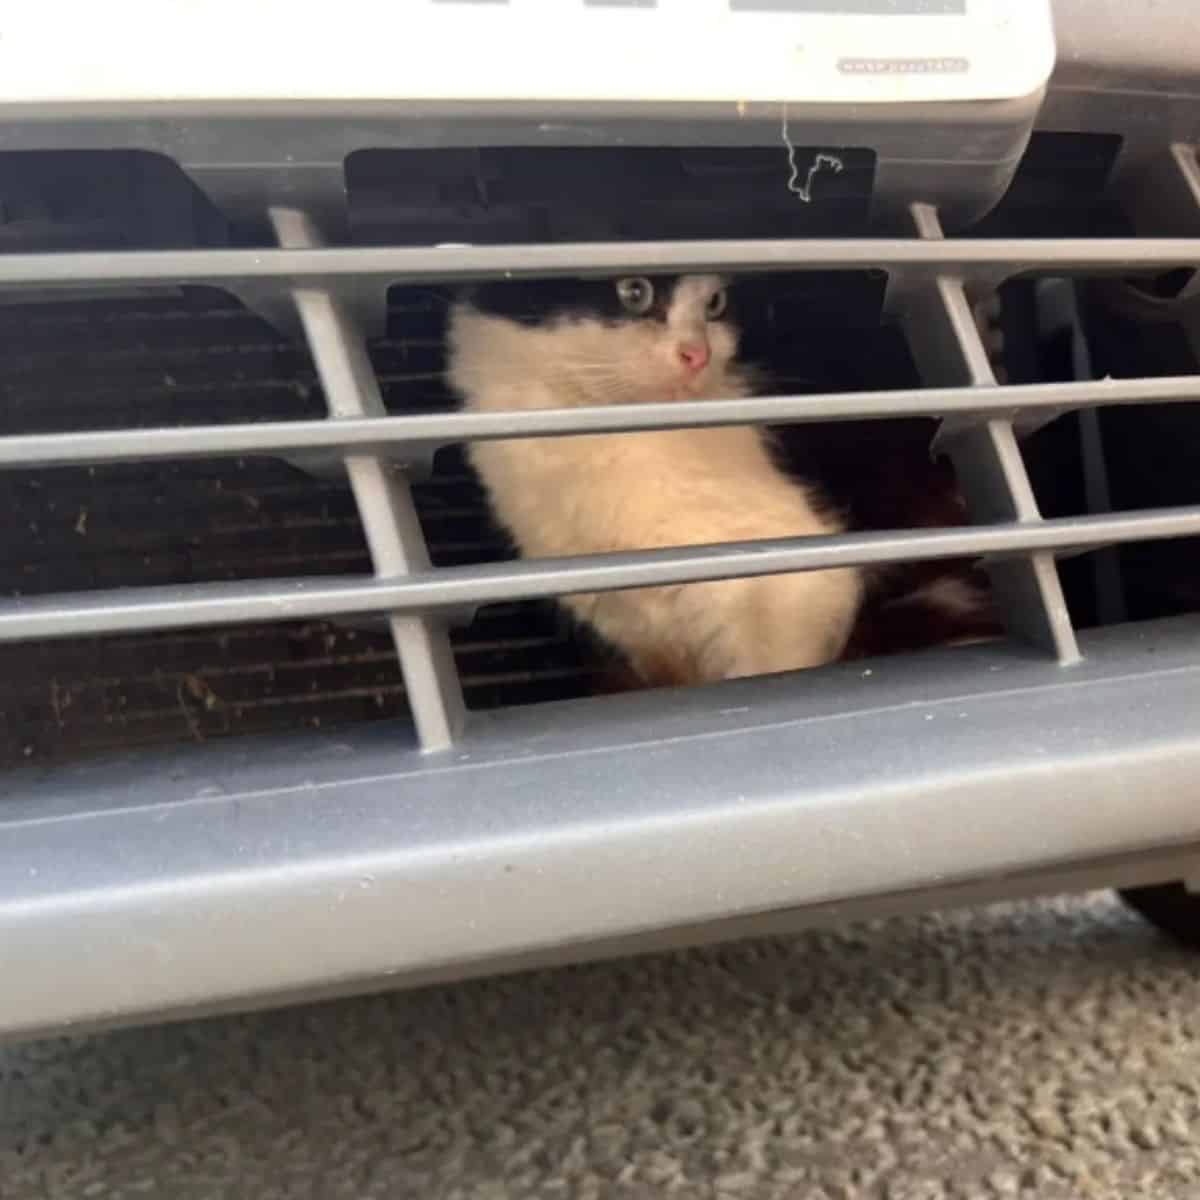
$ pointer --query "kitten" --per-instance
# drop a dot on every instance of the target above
(881, 473)
(952, 609)
(558, 343)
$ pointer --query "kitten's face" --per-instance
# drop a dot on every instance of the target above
(641, 338)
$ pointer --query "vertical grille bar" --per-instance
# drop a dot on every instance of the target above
(383, 496)
(991, 471)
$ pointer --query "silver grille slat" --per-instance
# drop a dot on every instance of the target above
(989, 260)
(452, 588)
(439, 429)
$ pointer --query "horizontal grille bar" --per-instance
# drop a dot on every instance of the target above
(327, 267)
(64, 449)
(463, 587)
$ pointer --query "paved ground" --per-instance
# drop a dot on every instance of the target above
(1042, 1050)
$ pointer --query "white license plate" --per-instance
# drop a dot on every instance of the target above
(728, 51)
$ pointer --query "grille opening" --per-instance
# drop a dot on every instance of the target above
(1130, 328)
(1060, 190)
(1170, 285)
(70, 700)
(60, 200)
(183, 356)
(77, 530)
(545, 194)
(1143, 455)
(1130, 331)
(1152, 453)
(195, 356)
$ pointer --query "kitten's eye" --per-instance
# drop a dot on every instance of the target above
(716, 305)
(636, 295)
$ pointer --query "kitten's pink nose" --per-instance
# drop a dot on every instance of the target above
(693, 355)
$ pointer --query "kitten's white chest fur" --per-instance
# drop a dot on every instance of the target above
(612, 492)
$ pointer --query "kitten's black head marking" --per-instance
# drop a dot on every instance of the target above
(541, 301)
